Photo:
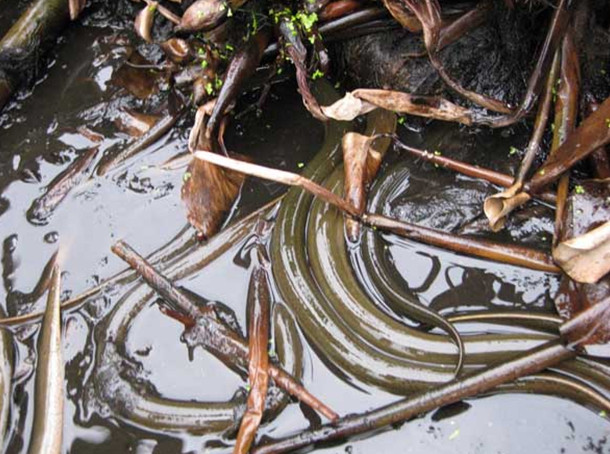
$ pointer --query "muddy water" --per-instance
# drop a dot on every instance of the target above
(39, 138)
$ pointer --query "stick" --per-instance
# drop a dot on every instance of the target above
(470, 170)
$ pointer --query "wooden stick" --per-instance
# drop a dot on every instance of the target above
(497, 178)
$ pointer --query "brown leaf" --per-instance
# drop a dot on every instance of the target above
(364, 100)
(347, 108)
(144, 21)
(355, 153)
(497, 207)
(361, 163)
(586, 209)
(208, 192)
(138, 81)
(177, 50)
(203, 15)
(362, 156)
(586, 258)
(592, 133)
(258, 357)
(135, 123)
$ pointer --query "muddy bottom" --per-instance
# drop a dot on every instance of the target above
(141, 204)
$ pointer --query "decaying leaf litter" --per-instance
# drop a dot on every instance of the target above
(212, 55)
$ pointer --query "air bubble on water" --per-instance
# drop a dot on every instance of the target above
(51, 237)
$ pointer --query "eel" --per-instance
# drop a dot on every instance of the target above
(349, 330)
(313, 275)
(131, 404)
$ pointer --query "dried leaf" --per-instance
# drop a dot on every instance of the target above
(135, 123)
(140, 82)
(585, 257)
(49, 388)
(208, 192)
(197, 139)
(355, 153)
(498, 206)
(586, 209)
(177, 50)
(591, 134)
(144, 21)
(347, 108)
(364, 100)
(361, 163)
(258, 357)
(203, 15)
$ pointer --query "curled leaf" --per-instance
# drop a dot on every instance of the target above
(196, 137)
(347, 108)
(208, 192)
(362, 156)
(177, 50)
(203, 15)
(586, 258)
(498, 206)
(586, 210)
(259, 298)
(144, 21)
(356, 148)
(364, 100)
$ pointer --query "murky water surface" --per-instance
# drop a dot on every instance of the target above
(141, 204)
